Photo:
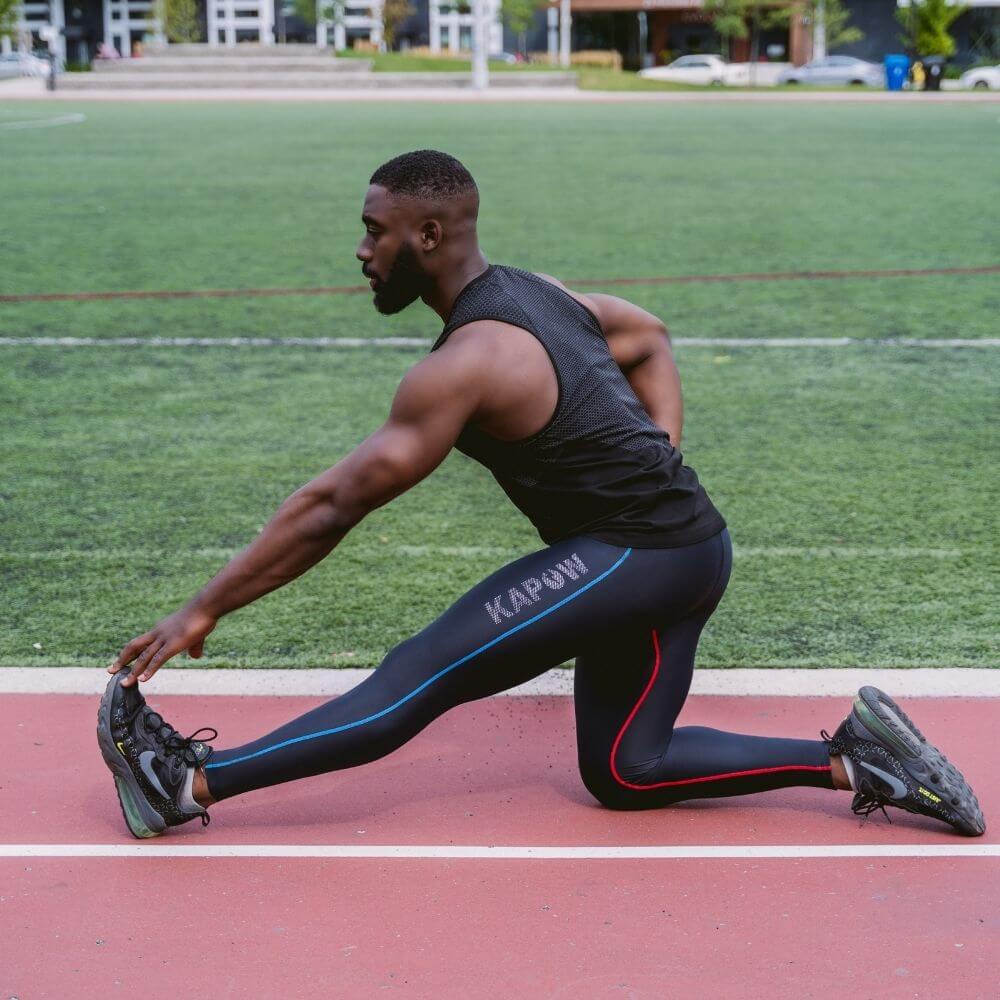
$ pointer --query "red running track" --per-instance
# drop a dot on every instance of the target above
(497, 772)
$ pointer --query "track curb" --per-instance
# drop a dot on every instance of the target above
(915, 682)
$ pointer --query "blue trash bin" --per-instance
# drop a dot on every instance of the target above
(897, 69)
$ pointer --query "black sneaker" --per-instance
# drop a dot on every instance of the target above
(153, 765)
(894, 765)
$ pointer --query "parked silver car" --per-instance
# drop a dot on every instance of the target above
(843, 70)
(21, 64)
(981, 78)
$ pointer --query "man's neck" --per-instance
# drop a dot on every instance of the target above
(441, 298)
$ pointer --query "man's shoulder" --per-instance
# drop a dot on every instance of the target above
(483, 337)
(584, 300)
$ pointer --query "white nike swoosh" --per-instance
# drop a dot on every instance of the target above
(898, 788)
(146, 763)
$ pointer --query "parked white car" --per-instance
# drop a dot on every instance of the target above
(843, 70)
(22, 64)
(696, 70)
(982, 78)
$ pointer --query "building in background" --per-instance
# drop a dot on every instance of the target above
(645, 32)
(355, 21)
(649, 32)
(450, 26)
(652, 32)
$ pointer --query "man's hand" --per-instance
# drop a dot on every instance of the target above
(184, 629)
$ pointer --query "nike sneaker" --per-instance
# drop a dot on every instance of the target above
(152, 764)
(894, 765)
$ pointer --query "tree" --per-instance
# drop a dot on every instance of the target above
(836, 19)
(394, 13)
(740, 18)
(729, 18)
(8, 18)
(178, 19)
(519, 16)
(925, 26)
(306, 10)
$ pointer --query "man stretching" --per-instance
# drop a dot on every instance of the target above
(573, 402)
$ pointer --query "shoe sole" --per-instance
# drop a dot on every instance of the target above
(141, 818)
(883, 721)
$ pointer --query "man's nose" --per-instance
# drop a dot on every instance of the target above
(363, 254)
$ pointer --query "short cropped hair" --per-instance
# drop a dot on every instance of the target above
(425, 174)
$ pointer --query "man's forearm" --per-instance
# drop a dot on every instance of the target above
(657, 384)
(305, 529)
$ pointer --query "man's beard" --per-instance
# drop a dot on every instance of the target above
(403, 285)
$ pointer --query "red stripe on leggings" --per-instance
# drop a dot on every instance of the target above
(690, 781)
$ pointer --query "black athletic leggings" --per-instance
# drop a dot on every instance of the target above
(630, 617)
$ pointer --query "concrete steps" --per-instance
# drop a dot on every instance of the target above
(288, 80)
(234, 64)
(244, 50)
(276, 67)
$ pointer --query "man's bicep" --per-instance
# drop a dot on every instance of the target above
(430, 408)
(619, 316)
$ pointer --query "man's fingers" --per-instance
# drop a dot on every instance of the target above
(141, 662)
(159, 658)
(197, 649)
(129, 653)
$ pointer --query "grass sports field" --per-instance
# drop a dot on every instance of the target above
(859, 480)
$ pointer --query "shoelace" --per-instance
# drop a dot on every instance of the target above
(868, 799)
(180, 746)
(174, 745)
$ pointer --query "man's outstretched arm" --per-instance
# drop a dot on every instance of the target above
(433, 402)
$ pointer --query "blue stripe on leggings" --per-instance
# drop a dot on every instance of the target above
(430, 680)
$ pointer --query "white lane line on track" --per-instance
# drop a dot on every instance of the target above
(500, 852)
(329, 682)
(353, 342)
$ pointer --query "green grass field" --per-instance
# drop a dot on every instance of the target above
(859, 482)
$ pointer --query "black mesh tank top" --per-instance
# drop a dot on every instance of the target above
(600, 466)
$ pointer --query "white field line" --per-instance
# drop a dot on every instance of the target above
(329, 682)
(216, 341)
(494, 551)
(68, 119)
(436, 852)
(338, 342)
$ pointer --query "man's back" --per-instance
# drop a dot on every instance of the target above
(597, 465)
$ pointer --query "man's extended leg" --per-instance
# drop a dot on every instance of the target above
(521, 620)
(528, 616)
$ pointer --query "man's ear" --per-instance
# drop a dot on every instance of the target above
(430, 234)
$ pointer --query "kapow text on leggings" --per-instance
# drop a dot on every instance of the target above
(530, 591)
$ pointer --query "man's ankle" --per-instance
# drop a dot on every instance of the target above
(838, 774)
(199, 790)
